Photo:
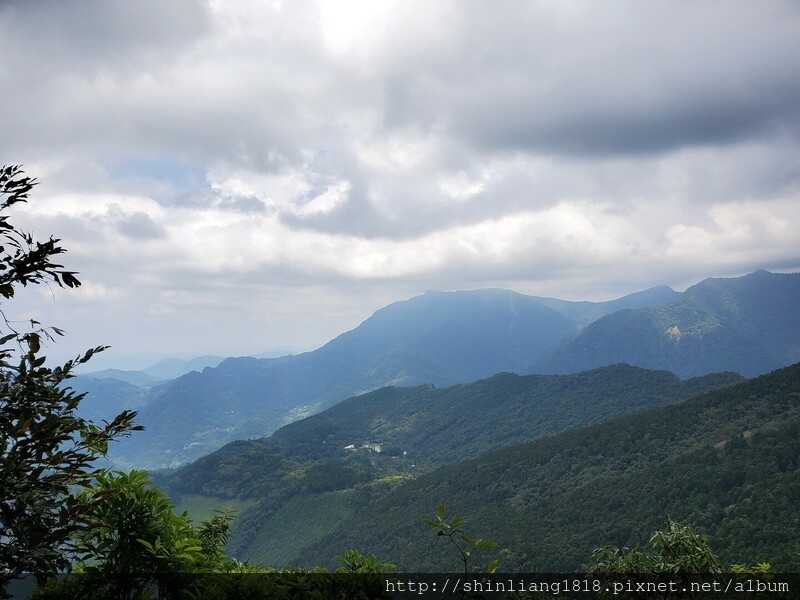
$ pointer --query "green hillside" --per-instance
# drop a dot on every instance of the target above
(417, 430)
(748, 324)
(727, 461)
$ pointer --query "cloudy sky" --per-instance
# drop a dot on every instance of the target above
(233, 177)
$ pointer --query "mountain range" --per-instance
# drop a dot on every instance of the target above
(748, 325)
(554, 426)
(370, 443)
(726, 461)
(634, 447)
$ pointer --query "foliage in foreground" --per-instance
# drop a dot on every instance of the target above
(678, 553)
(46, 447)
(180, 560)
(138, 547)
(463, 545)
(676, 548)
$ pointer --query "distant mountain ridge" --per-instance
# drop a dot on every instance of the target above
(583, 312)
(112, 390)
(170, 368)
(440, 338)
(436, 426)
(748, 324)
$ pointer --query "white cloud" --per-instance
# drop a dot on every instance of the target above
(740, 233)
(90, 291)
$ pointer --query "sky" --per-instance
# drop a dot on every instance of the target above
(235, 177)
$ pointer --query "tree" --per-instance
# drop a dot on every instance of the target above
(137, 544)
(678, 551)
(140, 548)
(46, 448)
(464, 545)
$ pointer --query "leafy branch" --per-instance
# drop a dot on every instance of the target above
(464, 545)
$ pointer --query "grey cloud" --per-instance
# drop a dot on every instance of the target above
(72, 67)
(575, 82)
(614, 79)
(87, 34)
(243, 204)
(633, 127)
(138, 225)
(355, 216)
(609, 79)
(587, 86)
(152, 82)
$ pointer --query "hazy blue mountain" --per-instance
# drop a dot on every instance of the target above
(583, 313)
(440, 338)
(135, 378)
(106, 397)
(170, 368)
(749, 324)
(278, 353)
(112, 390)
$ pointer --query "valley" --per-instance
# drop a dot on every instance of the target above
(726, 460)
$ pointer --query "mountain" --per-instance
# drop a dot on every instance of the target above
(727, 461)
(583, 313)
(440, 338)
(107, 395)
(170, 368)
(749, 324)
(140, 379)
(112, 390)
(382, 438)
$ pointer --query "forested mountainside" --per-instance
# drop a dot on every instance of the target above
(438, 338)
(727, 460)
(748, 324)
(371, 443)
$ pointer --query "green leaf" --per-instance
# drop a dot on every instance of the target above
(456, 521)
